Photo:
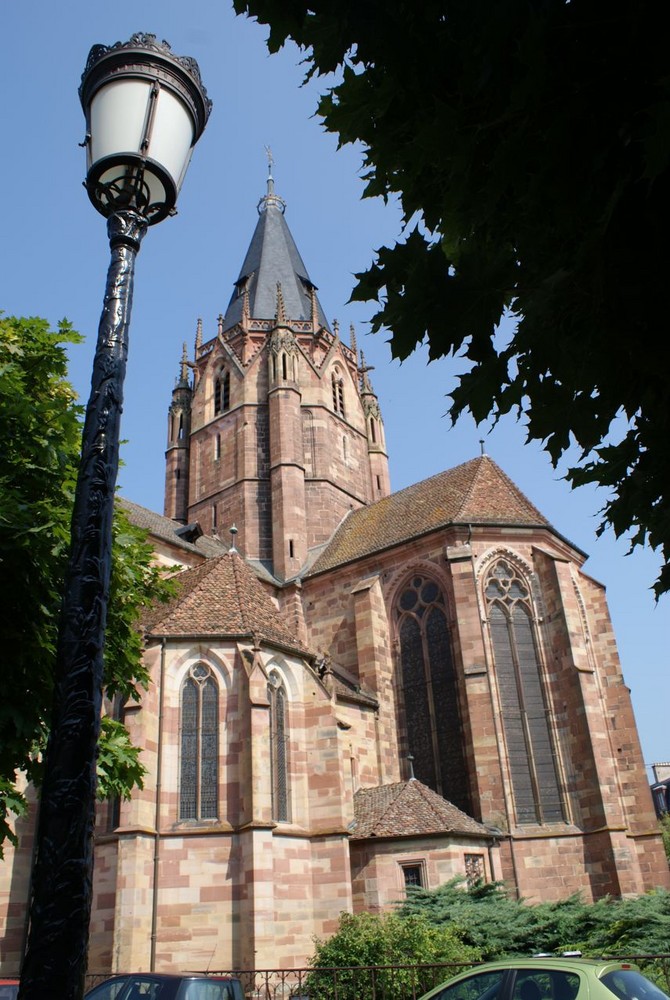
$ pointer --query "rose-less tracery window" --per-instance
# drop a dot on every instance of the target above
(429, 692)
(199, 766)
(530, 751)
(278, 748)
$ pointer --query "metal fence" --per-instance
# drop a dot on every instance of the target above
(378, 982)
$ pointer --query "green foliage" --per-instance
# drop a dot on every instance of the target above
(368, 940)
(527, 143)
(665, 833)
(498, 926)
(39, 452)
(119, 767)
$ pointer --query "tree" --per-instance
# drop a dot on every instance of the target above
(527, 142)
(39, 452)
(368, 948)
(499, 926)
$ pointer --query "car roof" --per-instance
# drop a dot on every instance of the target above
(551, 962)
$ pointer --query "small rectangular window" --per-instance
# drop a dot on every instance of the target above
(413, 875)
(474, 869)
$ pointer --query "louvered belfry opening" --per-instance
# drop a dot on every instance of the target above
(431, 716)
(199, 764)
(525, 713)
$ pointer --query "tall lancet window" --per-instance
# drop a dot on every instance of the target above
(338, 393)
(429, 692)
(279, 748)
(222, 392)
(525, 716)
(199, 766)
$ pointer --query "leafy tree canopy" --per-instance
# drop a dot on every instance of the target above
(498, 926)
(527, 142)
(369, 941)
(39, 452)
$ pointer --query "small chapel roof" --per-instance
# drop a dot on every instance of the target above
(408, 809)
(273, 258)
(477, 492)
(222, 597)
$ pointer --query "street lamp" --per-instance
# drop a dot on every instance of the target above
(145, 109)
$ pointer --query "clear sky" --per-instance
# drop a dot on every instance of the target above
(54, 257)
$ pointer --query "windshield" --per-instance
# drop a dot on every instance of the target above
(627, 984)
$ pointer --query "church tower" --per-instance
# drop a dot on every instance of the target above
(286, 435)
(177, 454)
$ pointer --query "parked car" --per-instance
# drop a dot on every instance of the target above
(547, 978)
(163, 986)
(9, 989)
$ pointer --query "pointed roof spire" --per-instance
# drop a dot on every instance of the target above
(366, 385)
(198, 336)
(183, 375)
(352, 339)
(280, 314)
(273, 257)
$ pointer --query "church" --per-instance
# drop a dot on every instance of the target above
(353, 690)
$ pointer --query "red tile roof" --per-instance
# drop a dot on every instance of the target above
(408, 809)
(221, 597)
(476, 492)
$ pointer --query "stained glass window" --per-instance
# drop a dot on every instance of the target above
(199, 766)
(525, 716)
(431, 723)
(279, 749)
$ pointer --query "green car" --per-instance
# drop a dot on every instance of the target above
(548, 978)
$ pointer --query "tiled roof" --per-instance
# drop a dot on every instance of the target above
(408, 809)
(221, 597)
(166, 529)
(476, 492)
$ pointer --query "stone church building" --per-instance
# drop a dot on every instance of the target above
(353, 690)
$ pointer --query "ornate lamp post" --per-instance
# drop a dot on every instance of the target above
(145, 110)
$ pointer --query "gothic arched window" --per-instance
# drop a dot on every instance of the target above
(530, 751)
(222, 392)
(199, 766)
(338, 393)
(279, 749)
(429, 692)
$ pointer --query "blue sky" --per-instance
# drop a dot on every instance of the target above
(54, 258)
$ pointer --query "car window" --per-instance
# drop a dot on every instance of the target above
(129, 988)
(107, 991)
(545, 984)
(144, 989)
(628, 984)
(206, 989)
(479, 986)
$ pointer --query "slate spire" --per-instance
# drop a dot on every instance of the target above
(273, 258)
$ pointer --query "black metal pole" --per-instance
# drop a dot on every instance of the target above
(55, 961)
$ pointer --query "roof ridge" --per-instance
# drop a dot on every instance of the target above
(236, 575)
(477, 463)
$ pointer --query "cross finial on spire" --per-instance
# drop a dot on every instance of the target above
(270, 198)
